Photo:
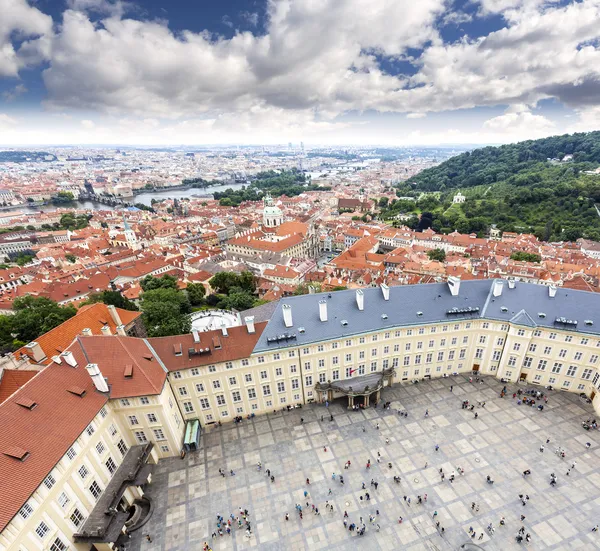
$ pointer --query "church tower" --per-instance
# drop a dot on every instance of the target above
(272, 215)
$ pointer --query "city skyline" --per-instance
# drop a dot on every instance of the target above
(258, 72)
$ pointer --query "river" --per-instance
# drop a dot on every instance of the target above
(144, 198)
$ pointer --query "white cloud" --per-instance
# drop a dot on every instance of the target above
(18, 18)
(521, 125)
(7, 122)
(14, 93)
(318, 59)
(88, 124)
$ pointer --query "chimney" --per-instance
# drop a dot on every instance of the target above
(97, 378)
(69, 358)
(114, 315)
(454, 285)
(386, 291)
(224, 329)
(323, 310)
(360, 299)
(106, 330)
(497, 287)
(35, 351)
(511, 283)
(250, 324)
(87, 332)
(196, 336)
(287, 315)
(56, 359)
(121, 330)
(552, 291)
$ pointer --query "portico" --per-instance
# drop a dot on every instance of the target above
(359, 390)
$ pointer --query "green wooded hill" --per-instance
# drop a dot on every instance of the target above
(506, 163)
(523, 187)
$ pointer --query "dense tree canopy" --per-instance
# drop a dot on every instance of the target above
(437, 254)
(33, 317)
(519, 187)
(224, 282)
(149, 283)
(113, 298)
(165, 312)
(195, 293)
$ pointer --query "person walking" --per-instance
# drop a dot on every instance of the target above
(287, 516)
(437, 448)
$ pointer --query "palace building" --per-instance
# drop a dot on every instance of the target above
(85, 431)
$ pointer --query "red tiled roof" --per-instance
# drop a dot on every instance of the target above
(239, 344)
(93, 316)
(45, 432)
(12, 380)
(113, 354)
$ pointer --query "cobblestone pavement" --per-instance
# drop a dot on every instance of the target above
(502, 442)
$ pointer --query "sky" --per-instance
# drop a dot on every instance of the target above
(325, 72)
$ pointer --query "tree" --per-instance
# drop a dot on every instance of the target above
(523, 256)
(63, 197)
(237, 300)
(71, 258)
(33, 316)
(383, 202)
(165, 312)
(196, 292)
(113, 298)
(437, 254)
(304, 288)
(150, 283)
(223, 282)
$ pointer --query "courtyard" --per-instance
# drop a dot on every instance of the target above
(502, 442)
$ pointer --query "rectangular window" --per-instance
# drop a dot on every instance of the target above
(527, 362)
(133, 419)
(252, 393)
(164, 449)
(453, 341)
(228, 365)
(462, 354)
(568, 338)
(188, 407)
(281, 384)
(420, 345)
(547, 350)
(291, 354)
(417, 359)
(140, 436)
(482, 339)
(276, 356)
(71, 453)
(496, 356)
(556, 368)
(122, 447)
(308, 380)
(159, 434)
(361, 355)
(176, 375)
(83, 472)
(233, 380)
(49, 481)
(428, 358)
(516, 347)
(42, 529)
(25, 511)
(451, 355)
(266, 390)
(440, 356)
(295, 384)
(512, 361)
(111, 465)
(112, 430)
(90, 430)
(213, 368)
(521, 332)
(479, 353)
(320, 348)
(532, 347)
(95, 490)
(562, 353)
(552, 336)
(348, 358)
(594, 358)
(195, 372)
(335, 360)
(396, 348)
(236, 396)
(334, 345)
(584, 341)
(578, 356)
(572, 369)
(248, 377)
(145, 401)
(100, 448)
(307, 366)
(76, 518)
(216, 384)
(245, 362)
(261, 359)
(124, 402)
(587, 374)
(431, 343)
(542, 365)
(321, 363)
(204, 403)
(63, 500)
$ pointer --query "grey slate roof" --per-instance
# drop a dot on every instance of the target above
(264, 312)
(522, 305)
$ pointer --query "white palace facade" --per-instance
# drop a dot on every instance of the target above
(79, 439)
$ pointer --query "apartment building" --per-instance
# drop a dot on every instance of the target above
(139, 396)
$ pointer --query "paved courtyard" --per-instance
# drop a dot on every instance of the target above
(502, 442)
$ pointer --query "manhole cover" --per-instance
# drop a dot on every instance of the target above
(477, 460)
(416, 480)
